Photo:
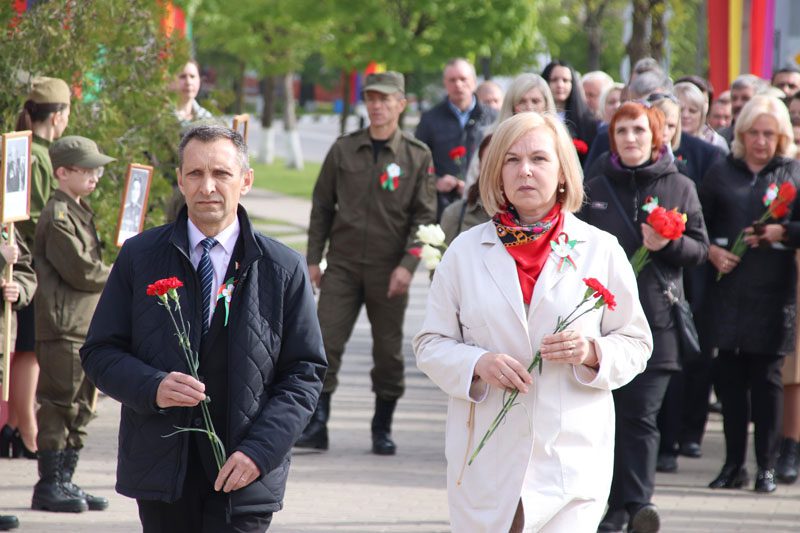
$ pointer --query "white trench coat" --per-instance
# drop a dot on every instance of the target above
(557, 445)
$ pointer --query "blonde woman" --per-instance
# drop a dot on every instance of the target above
(528, 92)
(694, 110)
(745, 311)
(548, 467)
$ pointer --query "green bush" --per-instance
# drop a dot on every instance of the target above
(116, 54)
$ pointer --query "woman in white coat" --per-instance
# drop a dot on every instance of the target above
(494, 300)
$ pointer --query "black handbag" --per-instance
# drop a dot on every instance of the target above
(683, 317)
(682, 314)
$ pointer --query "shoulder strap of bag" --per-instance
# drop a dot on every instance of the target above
(662, 280)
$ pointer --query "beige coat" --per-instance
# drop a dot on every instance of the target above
(557, 444)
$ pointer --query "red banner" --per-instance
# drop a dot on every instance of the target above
(718, 44)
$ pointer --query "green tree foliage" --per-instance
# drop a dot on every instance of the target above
(686, 34)
(568, 27)
(115, 52)
(411, 35)
(269, 36)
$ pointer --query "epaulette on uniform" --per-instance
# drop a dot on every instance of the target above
(60, 210)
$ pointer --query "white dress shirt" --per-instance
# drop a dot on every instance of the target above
(220, 254)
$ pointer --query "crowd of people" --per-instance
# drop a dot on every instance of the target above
(544, 194)
(717, 160)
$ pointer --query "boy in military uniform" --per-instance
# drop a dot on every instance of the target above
(374, 190)
(71, 277)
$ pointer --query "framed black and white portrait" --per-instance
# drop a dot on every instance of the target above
(134, 201)
(16, 191)
(240, 124)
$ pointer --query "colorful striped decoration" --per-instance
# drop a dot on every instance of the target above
(718, 59)
(732, 51)
(735, 8)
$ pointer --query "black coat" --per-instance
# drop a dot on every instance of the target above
(440, 129)
(276, 362)
(751, 308)
(673, 190)
(584, 127)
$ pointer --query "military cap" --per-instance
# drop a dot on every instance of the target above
(385, 82)
(76, 151)
(49, 91)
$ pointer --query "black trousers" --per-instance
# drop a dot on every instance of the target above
(684, 413)
(697, 390)
(636, 443)
(199, 509)
(750, 385)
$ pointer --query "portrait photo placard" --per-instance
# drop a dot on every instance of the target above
(134, 201)
(240, 124)
(15, 197)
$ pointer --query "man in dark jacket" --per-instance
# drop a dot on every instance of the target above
(460, 120)
(260, 355)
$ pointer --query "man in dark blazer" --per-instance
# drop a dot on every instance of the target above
(459, 120)
(253, 326)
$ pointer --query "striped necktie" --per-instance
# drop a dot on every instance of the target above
(206, 271)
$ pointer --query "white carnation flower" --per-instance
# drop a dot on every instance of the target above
(431, 234)
(430, 256)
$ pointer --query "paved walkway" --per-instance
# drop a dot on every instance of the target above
(347, 489)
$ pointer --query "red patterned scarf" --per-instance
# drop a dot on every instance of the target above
(529, 245)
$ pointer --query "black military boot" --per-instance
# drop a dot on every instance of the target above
(315, 435)
(49, 494)
(68, 464)
(382, 443)
(788, 461)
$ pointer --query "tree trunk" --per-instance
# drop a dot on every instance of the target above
(658, 29)
(637, 47)
(239, 106)
(345, 102)
(294, 153)
(701, 51)
(594, 36)
(267, 152)
(486, 67)
(593, 14)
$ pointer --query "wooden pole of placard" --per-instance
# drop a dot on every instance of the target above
(8, 277)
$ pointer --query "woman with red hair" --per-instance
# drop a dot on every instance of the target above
(640, 173)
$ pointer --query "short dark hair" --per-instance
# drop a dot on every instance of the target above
(785, 70)
(207, 133)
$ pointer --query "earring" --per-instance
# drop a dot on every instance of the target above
(561, 189)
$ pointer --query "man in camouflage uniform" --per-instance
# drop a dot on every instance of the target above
(71, 277)
(374, 190)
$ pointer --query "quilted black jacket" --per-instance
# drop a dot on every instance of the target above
(276, 362)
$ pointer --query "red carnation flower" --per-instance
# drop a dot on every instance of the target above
(580, 146)
(605, 296)
(416, 251)
(668, 224)
(458, 152)
(779, 207)
(162, 286)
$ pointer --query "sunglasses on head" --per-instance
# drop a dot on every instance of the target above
(657, 97)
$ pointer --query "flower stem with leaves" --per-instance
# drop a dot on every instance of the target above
(167, 295)
(595, 291)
